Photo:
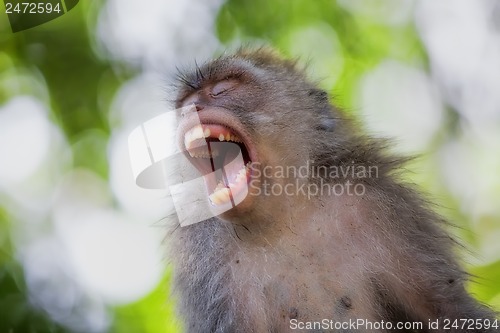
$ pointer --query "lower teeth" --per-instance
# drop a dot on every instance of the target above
(222, 191)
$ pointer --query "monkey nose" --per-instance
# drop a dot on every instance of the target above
(191, 108)
(185, 110)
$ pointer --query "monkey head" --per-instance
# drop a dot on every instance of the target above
(249, 111)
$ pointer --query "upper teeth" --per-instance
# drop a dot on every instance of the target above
(198, 132)
(195, 133)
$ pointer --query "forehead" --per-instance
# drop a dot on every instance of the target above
(246, 66)
(213, 71)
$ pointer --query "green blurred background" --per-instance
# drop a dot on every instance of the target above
(81, 245)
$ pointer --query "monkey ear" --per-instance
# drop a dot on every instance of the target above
(318, 94)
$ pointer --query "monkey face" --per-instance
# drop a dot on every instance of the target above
(238, 117)
(217, 144)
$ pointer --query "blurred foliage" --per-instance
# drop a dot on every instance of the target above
(364, 43)
(16, 313)
(81, 86)
(484, 283)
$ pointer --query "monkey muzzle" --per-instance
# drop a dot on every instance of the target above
(221, 156)
(215, 145)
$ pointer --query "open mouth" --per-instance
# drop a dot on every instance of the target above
(223, 158)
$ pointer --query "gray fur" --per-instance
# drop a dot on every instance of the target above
(382, 256)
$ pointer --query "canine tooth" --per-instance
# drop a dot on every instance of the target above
(187, 142)
(221, 137)
(214, 198)
(207, 132)
(228, 137)
(224, 194)
(198, 132)
(219, 196)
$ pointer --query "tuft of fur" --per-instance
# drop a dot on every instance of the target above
(381, 256)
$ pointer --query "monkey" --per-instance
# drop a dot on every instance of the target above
(321, 233)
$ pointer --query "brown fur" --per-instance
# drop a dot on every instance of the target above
(380, 256)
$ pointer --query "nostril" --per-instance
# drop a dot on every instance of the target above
(199, 107)
(187, 109)
(184, 111)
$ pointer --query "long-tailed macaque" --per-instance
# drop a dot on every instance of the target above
(321, 236)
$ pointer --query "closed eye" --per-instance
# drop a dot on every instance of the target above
(223, 86)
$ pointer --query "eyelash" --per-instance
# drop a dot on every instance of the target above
(219, 93)
(222, 87)
(234, 76)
